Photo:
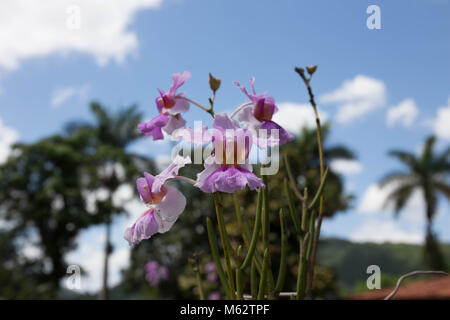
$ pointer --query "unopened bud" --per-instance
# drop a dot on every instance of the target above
(300, 71)
(214, 83)
(311, 69)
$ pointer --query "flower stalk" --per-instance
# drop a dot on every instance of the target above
(307, 80)
(216, 256)
(225, 245)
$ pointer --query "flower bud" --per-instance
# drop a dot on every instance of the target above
(311, 69)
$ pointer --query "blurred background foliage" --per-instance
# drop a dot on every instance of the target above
(44, 188)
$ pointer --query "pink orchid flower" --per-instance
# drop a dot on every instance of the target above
(154, 273)
(259, 116)
(228, 169)
(165, 203)
(170, 106)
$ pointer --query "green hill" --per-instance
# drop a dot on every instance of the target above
(350, 261)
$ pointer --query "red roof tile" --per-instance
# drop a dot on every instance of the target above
(436, 288)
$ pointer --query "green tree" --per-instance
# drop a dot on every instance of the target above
(428, 173)
(303, 157)
(111, 164)
(41, 199)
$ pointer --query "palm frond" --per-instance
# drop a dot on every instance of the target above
(427, 153)
(338, 152)
(398, 177)
(399, 197)
(407, 158)
(441, 164)
(443, 188)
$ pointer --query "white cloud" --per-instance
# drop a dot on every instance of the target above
(404, 113)
(62, 95)
(374, 198)
(356, 97)
(346, 167)
(293, 116)
(90, 257)
(8, 136)
(162, 161)
(385, 231)
(90, 252)
(122, 195)
(31, 28)
(441, 124)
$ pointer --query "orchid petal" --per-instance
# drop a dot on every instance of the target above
(153, 127)
(178, 80)
(181, 105)
(283, 135)
(174, 123)
(197, 137)
(169, 173)
(169, 209)
(144, 227)
(229, 179)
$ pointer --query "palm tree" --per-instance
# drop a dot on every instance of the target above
(428, 173)
(111, 163)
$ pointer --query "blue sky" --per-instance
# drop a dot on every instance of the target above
(396, 78)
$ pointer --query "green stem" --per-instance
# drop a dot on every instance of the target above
(282, 270)
(301, 272)
(312, 220)
(199, 285)
(319, 191)
(266, 221)
(291, 206)
(245, 231)
(253, 281)
(263, 280)
(223, 236)
(255, 235)
(216, 257)
(266, 228)
(291, 178)
(301, 72)
(239, 281)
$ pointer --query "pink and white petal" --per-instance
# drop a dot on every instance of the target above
(178, 80)
(247, 166)
(173, 124)
(197, 137)
(144, 227)
(263, 141)
(181, 105)
(247, 118)
(169, 173)
(242, 88)
(229, 179)
(169, 209)
(223, 122)
(210, 167)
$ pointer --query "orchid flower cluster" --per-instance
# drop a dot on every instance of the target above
(227, 169)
